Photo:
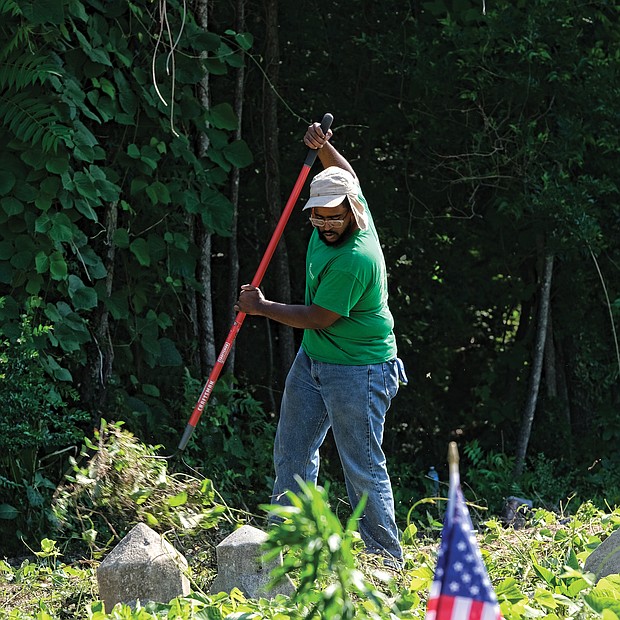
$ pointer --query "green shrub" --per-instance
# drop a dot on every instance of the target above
(233, 442)
(40, 425)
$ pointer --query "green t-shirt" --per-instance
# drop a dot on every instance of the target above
(350, 279)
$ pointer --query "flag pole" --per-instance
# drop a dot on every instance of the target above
(454, 475)
(453, 459)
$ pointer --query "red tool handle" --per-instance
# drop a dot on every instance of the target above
(258, 277)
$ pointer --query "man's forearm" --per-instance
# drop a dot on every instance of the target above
(291, 315)
(296, 315)
(329, 156)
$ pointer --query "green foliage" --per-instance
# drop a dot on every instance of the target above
(233, 442)
(551, 560)
(37, 411)
(123, 482)
(28, 111)
(100, 225)
(40, 425)
(482, 139)
(548, 482)
(321, 550)
(536, 572)
(490, 475)
(69, 585)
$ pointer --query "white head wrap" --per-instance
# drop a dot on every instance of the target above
(330, 187)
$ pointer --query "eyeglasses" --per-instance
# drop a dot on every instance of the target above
(328, 222)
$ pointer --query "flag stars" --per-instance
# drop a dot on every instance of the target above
(458, 566)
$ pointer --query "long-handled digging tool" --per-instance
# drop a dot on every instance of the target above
(238, 322)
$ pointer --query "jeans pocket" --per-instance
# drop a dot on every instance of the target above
(402, 375)
(391, 378)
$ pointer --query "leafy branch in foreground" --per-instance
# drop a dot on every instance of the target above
(320, 554)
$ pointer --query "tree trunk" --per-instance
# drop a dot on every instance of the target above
(551, 381)
(233, 252)
(192, 300)
(101, 352)
(537, 365)
(204, 314)
(272, 169)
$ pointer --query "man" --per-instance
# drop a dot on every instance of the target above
(346, 371)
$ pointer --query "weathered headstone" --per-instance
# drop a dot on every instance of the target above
(240, 564)
(515, 511)
(143, 566)
(605, 559)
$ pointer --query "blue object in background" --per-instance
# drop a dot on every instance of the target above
(433, 476)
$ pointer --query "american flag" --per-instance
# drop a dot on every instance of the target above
(461, 589)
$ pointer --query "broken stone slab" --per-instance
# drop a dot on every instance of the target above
(143, 566)
(241, 565)
(605, 559)
(515, 511)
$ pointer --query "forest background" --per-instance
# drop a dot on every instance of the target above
(149, 148)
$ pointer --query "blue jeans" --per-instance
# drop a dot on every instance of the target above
(353, 400)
